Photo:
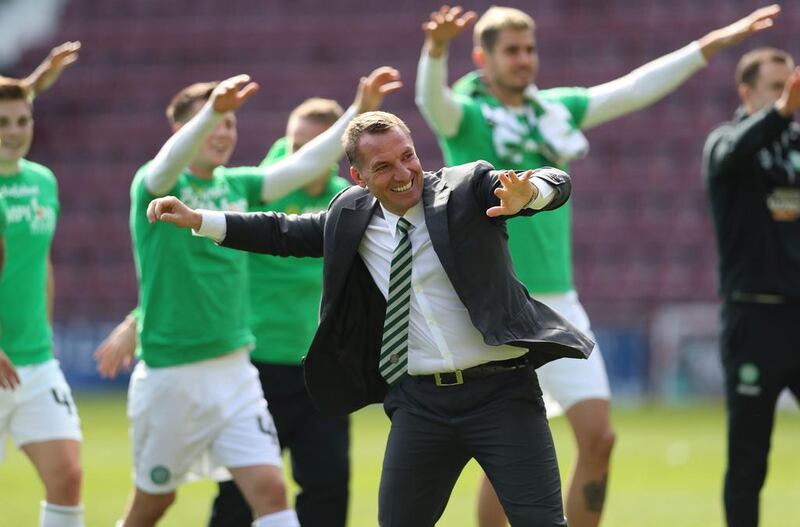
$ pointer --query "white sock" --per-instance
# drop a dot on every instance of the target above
(61, 515)
(284, 518)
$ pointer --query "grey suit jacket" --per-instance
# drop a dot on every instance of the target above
(341, 367)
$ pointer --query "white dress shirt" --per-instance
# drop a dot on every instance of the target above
(441, 336)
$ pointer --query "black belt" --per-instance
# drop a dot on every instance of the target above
(487, 369)
(762, 298)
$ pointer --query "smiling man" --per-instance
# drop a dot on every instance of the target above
(36, 406)
(421, 310)
(497, 113)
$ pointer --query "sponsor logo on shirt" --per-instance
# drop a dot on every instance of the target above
(41, 218)
(214, 198)
(20, 191)
(784, 203)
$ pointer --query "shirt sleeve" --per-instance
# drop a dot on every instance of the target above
(643, 86)
(434, 98)
(738, 142)
(212, 226)
(546, 192)
(305, 165)
(179, 150)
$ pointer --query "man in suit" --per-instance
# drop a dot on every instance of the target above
(421, 310)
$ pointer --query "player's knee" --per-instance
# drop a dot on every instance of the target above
(63, 485)
(270, 493)
(598, 443)
(151, 507)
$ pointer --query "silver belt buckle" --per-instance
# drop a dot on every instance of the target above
(459, 379)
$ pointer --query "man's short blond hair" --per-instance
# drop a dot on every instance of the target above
(14, 90)
(179, 110)
(369, 123)
(494, 20)
(317, 110)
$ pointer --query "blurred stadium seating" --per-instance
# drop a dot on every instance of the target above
(642, 233)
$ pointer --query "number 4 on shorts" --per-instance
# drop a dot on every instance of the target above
(62, 397)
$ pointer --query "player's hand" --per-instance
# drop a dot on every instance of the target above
(755, 22)
(372, 90)
(232, 93)
(170, 209)
(9, 378)
(443, 26)
(514, 192)
(117, 351)
(789, 101)
(51, 67)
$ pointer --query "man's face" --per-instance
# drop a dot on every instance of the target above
(16, 130)
(390, 169)
(218, 146)
(768, 87)
(513, 63)
(301, 131)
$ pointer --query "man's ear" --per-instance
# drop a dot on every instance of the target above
(479, 57)
(744, 93)
(356, 177)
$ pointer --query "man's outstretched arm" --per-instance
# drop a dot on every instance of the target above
(653, 81)
(433, 97)
(182, 147)
(530, 192)
(302, 167)
(738, 142)
(261, 232)
(48, 72)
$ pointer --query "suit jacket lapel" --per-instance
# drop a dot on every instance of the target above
(435, 197)
(348, 231)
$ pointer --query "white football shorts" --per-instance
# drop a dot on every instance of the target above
(569, 381)
(40, 408)
(194, 420)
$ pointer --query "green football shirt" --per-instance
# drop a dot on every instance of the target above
(285, 292)
(31, 197)
(193, 294)
(541, 246)
(2, 216)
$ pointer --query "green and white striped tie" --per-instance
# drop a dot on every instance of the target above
(394, 346)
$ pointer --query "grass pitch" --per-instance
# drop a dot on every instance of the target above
(667, 470)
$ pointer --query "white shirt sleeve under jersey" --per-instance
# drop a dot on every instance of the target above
(546, 193)
(434, 98)
(213, 226)
(643, 86)
(179, 150)
(305, 165)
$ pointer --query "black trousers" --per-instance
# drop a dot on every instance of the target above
(319, 448)
(761, 356)
(498, 420)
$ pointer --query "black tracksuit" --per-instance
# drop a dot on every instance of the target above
(752, 173)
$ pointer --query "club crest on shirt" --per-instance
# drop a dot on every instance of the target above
(784, 203)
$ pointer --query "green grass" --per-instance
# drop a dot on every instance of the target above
(667, 471)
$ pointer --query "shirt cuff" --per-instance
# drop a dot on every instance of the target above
(546, 193)
(212, 226)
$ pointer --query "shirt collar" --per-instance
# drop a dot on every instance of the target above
(415, 216)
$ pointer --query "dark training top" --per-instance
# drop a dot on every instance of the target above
(751, 168)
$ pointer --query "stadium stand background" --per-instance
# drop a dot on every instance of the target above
(642, 238)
